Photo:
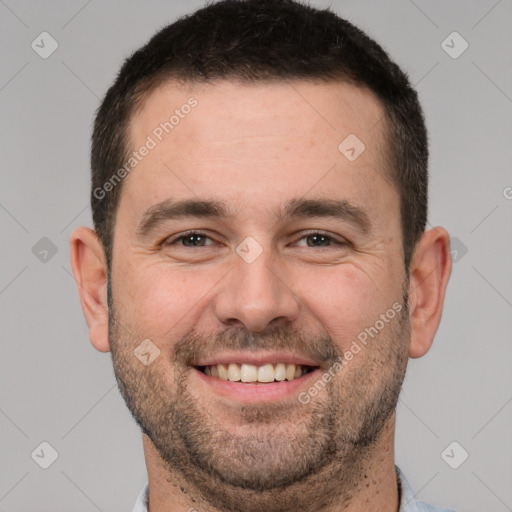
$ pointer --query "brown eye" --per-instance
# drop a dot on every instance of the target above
(193, 240)
(319, 239)
(190, 239)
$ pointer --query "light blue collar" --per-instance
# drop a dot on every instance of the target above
(408, 502)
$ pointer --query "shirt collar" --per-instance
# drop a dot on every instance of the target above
(142, 503)
(407, 501)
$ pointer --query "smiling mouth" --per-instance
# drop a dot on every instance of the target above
(266, 373)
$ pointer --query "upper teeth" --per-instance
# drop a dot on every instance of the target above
(251, 373)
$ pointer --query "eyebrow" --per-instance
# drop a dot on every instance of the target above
(294, 209)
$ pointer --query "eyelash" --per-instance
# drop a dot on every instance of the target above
(182, 236)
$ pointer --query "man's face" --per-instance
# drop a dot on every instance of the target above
(279, 280)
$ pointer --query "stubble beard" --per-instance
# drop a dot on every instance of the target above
(282, 457)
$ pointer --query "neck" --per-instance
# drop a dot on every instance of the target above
(374, 485)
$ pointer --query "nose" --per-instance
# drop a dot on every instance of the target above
(256, 295)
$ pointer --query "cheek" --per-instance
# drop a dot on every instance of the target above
(344, 300)
(165, 303)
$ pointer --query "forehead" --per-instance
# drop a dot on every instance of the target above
(258, 142)
(264, 109)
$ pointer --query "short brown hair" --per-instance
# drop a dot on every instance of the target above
(257, 40)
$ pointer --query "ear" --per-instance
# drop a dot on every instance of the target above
(90, 270)
(430, 269)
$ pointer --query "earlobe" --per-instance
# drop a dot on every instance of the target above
(430, 270)
(90, 271)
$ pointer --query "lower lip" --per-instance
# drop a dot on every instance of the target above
(251, 392)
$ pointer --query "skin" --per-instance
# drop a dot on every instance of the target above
(255, 147)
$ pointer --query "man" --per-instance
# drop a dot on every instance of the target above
(259, 268)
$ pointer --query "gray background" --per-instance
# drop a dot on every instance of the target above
(56, 388)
